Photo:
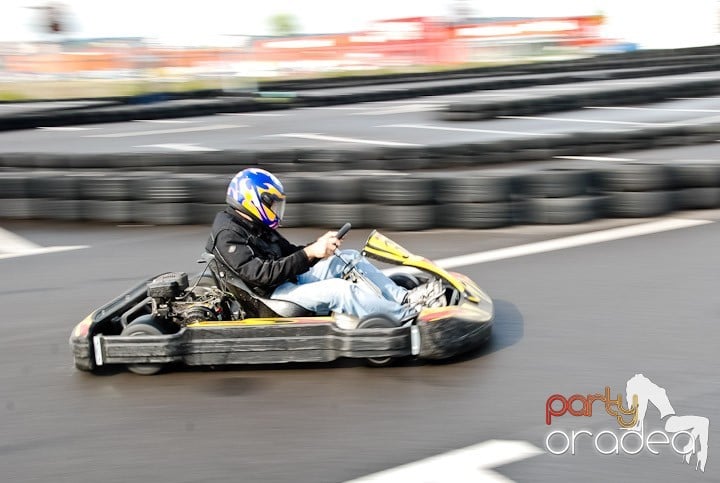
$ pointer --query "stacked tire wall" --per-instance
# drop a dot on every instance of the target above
(470, 199)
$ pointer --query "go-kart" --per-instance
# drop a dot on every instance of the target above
(213, 318)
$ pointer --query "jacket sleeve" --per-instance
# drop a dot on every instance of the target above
(263, 273)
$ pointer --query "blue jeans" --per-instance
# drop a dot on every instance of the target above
(321, 289)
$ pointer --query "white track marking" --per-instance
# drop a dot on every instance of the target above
(664, 109)
(320, 137)
(12, 245)
(335, 108)
(628, 82)
(570, 242)
(592, 158)
(699, 120)
(466, 465)
(403, 102)
(10, 242)
(164, 121)
(472, 94)
(178, 147)
(565, 119)
(212, 127)
(398, 110)
(67, 128)
(467, 129)
(255, 114)
(560, 89)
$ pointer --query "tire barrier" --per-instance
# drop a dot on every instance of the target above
(201, 103)
(291, 161)
(556, 183)
(665, 60)
(399, 190)
(563, 211)
(474, 215)
(169, 109)
(383, 199)
(697, 198)
(633, 64)
(470, 188)
(531, 104)
(634, 177)
(639, 204)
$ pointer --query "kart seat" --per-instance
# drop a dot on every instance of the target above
(252, 303)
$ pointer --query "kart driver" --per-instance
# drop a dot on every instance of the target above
(245, 238)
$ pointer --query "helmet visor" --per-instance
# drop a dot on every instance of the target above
(278, 207)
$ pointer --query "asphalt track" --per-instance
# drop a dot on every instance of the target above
(364, 126)
(568, 321)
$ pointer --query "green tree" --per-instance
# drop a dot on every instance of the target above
(283, 24)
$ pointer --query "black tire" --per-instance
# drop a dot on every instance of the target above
(562, 211)
(144, 325)
(404, 158)
(204, 214)
(133, 161)
(84, 365)
(556, 183)
(399, 190)
(634, 177)
(332, 215)
(378, 322)
(474, 215)
(332, 160)
(472, 188)
(109, 211)
(298, 189)
(58, 185)
(208, 189)
(164, 213)
(698, 174)
(401, 218)
(640, 204)
(106, 186)
(14, 185)
(171, 188)
(17, 208)
(335, 189)
(295, 214)
(286, 156)
(54, 209)
(697, 198)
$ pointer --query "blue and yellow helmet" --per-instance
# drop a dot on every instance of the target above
(259, 194)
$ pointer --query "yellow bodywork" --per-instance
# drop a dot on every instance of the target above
(258, 321)
(382, 248)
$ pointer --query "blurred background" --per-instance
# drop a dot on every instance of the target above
(48, 47)
(457, 127)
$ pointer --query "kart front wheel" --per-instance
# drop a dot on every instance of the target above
(144, 325)
(378, 322)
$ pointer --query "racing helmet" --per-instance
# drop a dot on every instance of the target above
(259, 194)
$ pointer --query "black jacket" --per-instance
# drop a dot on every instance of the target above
(260, 256)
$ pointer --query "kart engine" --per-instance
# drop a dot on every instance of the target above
(172, 300)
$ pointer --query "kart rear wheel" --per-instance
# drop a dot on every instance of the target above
(144, 325)
(378, 322)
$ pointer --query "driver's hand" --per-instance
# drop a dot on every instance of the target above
(324, 246)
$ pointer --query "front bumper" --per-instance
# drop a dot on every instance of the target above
(448, 331)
